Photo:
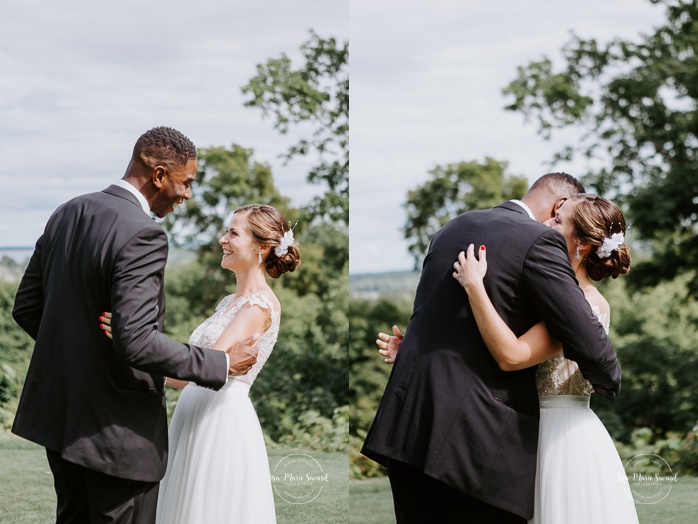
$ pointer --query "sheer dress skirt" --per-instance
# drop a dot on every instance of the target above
(217, 468)
(580, 476)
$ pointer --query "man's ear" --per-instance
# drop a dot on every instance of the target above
(557, 206)
(158, 175)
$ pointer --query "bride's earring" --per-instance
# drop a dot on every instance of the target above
(577, 255)
(259, 258)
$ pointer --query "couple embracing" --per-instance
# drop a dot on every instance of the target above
(485, 417)
(96, 402)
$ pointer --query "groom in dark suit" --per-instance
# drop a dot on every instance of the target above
(98, 407)
(458, 435)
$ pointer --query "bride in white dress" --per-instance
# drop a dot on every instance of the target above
(217, 466)
(580, 477)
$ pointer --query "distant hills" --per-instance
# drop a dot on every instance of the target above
(372, 285)
(11, 269)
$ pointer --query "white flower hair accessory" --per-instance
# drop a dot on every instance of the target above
(610, 245)
(285, 242)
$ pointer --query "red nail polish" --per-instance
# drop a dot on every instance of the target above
(101, 326)
(482, 248)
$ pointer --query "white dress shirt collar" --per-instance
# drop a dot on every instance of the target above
(132, 189)
(524, 206)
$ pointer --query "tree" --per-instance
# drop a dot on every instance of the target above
(451, 190)
(226, 180)
(16, 347)
(636, 103)
(305, 385)
(318, 93)
(654, 333)
(368, 372)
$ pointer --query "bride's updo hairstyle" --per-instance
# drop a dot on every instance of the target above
(597, 219)
(267, 226)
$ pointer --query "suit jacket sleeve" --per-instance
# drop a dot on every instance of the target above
(29, 300)
(135, 297)
(555, 293)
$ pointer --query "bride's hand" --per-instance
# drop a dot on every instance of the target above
(470, 271)
(390, 344)
(105, 323)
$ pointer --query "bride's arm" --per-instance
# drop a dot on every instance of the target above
(510, 352)
(249, 320)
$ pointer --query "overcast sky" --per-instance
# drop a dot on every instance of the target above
(426, 81)
(81, 80)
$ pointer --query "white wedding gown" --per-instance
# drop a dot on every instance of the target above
(217, 468)
(580, 478)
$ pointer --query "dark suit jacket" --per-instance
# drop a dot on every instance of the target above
(101, 404)
(448, 408)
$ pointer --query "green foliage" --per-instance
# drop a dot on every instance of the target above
(678, 450)
(9, 395)
(16, 344)
(316, 93)
(654, 333)
(226, 180)
(636, 102)
(308, 369)
(9, 383)
(16, 348)
(368, 372)
(299, 394)
(305, 381)
(451, 190)
(10, 269)
(688, 454)
(313, 431)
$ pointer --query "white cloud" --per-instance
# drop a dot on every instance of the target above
(82, 80)
(426, 90)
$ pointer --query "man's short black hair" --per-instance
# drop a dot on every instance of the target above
(164, 146)
(561, 183)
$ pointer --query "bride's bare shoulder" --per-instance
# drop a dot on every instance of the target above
(595, 298)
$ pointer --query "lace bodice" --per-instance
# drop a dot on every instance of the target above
(212, 328)
(559, 376)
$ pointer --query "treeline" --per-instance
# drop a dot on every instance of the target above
(654, 332)
(300, 395)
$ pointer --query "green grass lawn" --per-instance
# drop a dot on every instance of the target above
(27, 495)
(370, 502)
